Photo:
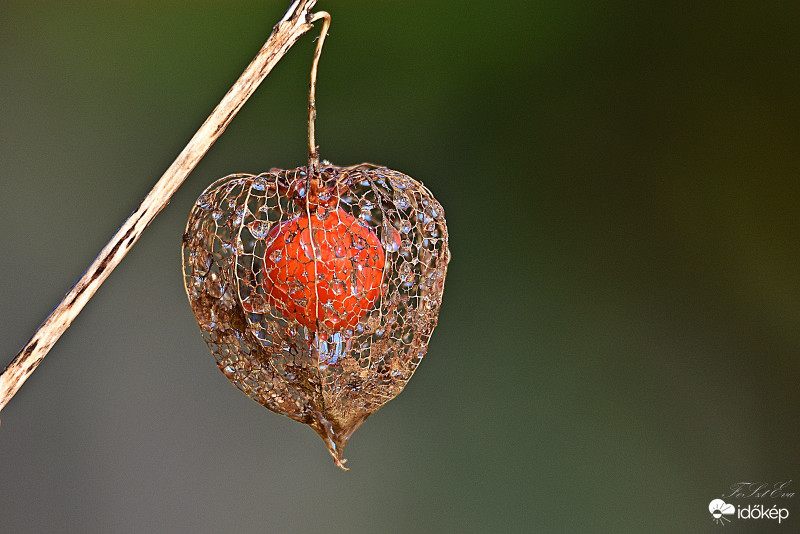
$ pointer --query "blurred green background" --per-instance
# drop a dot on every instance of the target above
(619, 337)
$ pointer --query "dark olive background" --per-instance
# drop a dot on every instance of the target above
(619, 337)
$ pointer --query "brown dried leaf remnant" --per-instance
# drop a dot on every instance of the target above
(317, 295)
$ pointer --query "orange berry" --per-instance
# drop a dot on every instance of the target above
(323, 272)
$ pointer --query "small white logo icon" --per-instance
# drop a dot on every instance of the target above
(719, 509)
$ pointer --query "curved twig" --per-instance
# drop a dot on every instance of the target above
(297, 20)
(313, 149)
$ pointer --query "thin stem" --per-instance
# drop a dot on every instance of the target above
(294, 24)
(313, 149)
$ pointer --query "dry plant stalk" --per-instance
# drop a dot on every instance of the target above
(296, 21)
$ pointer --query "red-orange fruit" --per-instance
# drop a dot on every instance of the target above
(323, 271)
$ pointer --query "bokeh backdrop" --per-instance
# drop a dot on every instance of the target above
(620, 335)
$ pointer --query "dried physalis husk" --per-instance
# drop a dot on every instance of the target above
(317, 295)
